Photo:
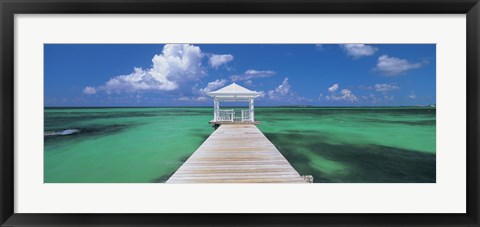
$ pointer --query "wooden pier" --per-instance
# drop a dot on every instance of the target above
(236, 153)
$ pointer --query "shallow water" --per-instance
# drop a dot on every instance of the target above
(142, 145)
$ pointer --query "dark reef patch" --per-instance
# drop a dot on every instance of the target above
(370, 163)
(87, 133)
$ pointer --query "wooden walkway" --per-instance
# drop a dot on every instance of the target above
(236, 153)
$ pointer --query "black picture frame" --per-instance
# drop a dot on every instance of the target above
(9, 8)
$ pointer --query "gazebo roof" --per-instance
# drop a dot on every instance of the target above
(234, 91)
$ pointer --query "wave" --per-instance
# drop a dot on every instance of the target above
(62, 132)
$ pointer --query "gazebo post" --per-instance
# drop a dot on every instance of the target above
(215, 109)
(251, 108)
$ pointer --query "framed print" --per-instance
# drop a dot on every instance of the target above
(216, 113)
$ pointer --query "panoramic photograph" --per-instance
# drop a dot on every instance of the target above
(239, 113)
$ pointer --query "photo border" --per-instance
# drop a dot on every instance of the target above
(9, 8)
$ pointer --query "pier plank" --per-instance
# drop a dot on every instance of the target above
(236, 153)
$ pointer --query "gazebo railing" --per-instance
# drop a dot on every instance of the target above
(226, 115)
(229, 116)
(246, 116)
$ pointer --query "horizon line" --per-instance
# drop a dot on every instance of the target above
(298, 106)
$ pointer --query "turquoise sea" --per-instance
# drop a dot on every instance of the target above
(147, 145)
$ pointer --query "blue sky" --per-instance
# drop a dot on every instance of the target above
(285, 74)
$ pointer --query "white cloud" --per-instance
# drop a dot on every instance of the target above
(184, 98)
(201, 99)
(391, 66)
(262, 94)
(197, 99)
(333, 88)
(212, 86)
(385, 87)
(284, 93)
(348, 96)
(373, 98)
(344, 95)
(281, 91)
(89, 90)
(176, 65)
(358, 50)
(412, 95)
(259, 73)
(252, 74)
(216, 60)
(200, 94)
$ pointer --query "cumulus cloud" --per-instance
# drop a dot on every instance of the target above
(89, 90)
(216, 60)
(200, 94)
(212, 86)
(344, 95)
(262, 94)
(391, 66)
(373, 98)
(252, 74)
(358, 50)
(184, 98)
(385, 87)
(348, 96)
(281, 91)
(412, 95)
(176, 65)
(333, 88)
(284, 93)
(197, 99)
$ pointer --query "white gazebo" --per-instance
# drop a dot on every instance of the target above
(233, 93)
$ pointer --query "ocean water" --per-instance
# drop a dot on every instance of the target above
(147, 145)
